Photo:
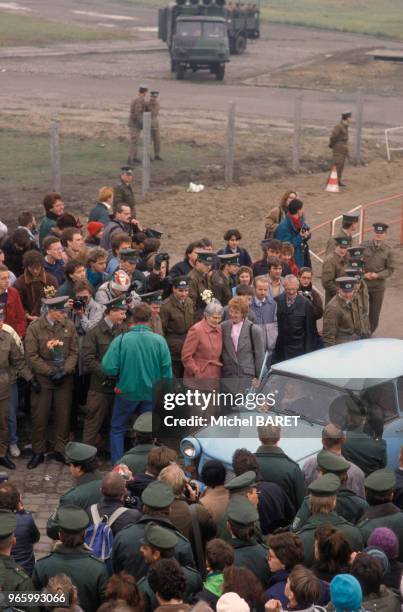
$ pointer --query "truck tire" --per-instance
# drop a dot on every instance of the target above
(240, 44)
(220, 72)
(180, 72)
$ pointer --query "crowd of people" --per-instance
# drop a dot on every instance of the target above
(91, 317)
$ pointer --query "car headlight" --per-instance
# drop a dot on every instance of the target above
(190, 448)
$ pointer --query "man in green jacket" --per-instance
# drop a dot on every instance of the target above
(136, 457)
(322, 503)
(138, 359)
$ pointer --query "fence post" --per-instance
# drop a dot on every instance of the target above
(297, 132)
(145, 182)
(229, 151)
(358, 134)
(55, 155)
(401, 225)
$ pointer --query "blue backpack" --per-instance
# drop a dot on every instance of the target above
(99, 536)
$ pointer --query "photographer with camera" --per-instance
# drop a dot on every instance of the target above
(158, 279)
(85, 311)
(295, 230)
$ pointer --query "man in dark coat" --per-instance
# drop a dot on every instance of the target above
(295, 321)
(123, 192)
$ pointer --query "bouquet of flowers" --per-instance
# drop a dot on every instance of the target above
(49, 291)
(207, 296)
(56, 346)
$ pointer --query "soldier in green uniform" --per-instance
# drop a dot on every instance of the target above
(339, 144)
(333, 267)
(154, 109)
(378, 266)
(137, 108)
(382, 512)
(349, 224)
(12, 576)
(87, 573)
(199, 281)
(348, 504)
(123, 192)
(244, 485)
(157, 499)
(136, 457)
(82, 460)
(221, 280)
(96, 342)
(361, 298)
(177, 316)
(159, 543)
(51, 350)
(341, 320)
(322, 504)
(248, 552)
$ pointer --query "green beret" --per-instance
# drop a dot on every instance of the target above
(380, 481)
(325, 486)
(241, 482)
(77, 452)
(8, 522)
(329, 462)
(72, 518)
(144, 423)
(158, 494)
(159, 537)
(241, 511)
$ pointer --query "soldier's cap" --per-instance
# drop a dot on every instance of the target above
(144, 423)
(56, 303)
(351, 217)
(380, 228)
(229, 258)
(325, 486)
(346, 115)
(345, 282)
(154, 93)
(118, 303)
(241, 482)
(153, 233)
(181, 282)
(8, 522)
(357, 264)
(241, 511)
(160, 537)
(356, 251)
(355, 273)
(158, 495)
(380, 481)
(343, 241)
(77, 452)
(206, 257)
(329, 462)
(153, 297)
(71, 518)
(130, 255)
(127, 169)
(143, 88)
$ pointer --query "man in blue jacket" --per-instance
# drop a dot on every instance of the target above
(292, 229)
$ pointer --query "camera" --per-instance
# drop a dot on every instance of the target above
(79, 304)
(159, 258)
(307, 294)
(305, 227)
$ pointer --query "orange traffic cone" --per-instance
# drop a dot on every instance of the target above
(333, 182)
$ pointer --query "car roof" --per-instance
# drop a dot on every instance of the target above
(352, 365)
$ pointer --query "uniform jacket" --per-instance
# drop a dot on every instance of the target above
(136, 458)
(361, 298)
(137, 108)
(287, 232)
(154, 109)
(32, 290)
(14, 312)
(95, 344)
(368, 453)
(380, 260)
(348, 505)
(139, 358)
(11, 359)
(221, 286)
(339, 137)
(247, 360)
(296, 327)
(201, 352)
(341, 322)
(40, 357)
(332, 268)
(14, 578)
(123, 194)
(216, 501)
(199, 282)
(331, 243)
(253, 556)
(383, 515)
(100, 212)
(276, 466)
(126, 553)
(177, 318)
(86, 572)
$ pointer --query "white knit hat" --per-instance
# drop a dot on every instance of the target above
(231, 602)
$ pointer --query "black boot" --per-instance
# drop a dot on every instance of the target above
(6, 461)
(56, 456)
(35, 460)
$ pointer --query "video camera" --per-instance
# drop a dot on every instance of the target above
(159, 258)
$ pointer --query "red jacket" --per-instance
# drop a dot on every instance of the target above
(14, 312)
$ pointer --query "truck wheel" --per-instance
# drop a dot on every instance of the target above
(220, 72)
(180, 72)
(240, 44)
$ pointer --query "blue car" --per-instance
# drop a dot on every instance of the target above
(308, 387)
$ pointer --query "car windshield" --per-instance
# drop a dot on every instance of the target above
(214, 30)
(196, 29)
(189, 29)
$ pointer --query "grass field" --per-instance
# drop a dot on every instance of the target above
(378, 18)
(27, 30)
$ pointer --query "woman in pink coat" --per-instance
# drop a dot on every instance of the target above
(202, 349)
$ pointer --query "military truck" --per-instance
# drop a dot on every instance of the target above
(201, 34)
